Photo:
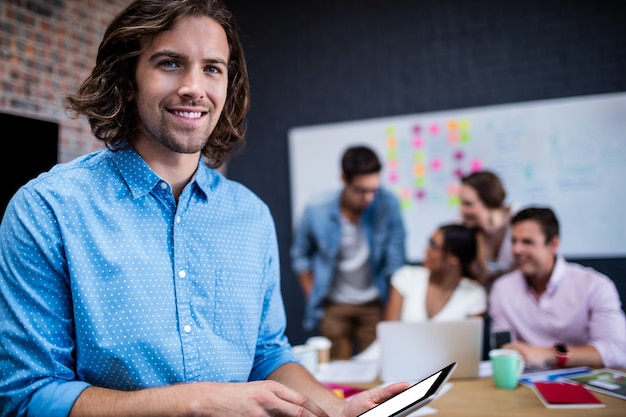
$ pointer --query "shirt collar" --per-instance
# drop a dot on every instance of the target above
(206, 179)
(557, 274)
(141, 179)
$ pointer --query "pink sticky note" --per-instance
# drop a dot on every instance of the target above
(418, 142)
(476, 165)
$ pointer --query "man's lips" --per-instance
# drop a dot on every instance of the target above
(520, 261)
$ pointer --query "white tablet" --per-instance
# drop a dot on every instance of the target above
(414, 397)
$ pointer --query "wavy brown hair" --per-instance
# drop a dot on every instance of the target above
(102, 96)
(488, 186)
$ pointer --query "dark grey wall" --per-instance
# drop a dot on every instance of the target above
(332, 60)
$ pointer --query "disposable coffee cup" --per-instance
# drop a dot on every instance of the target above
(307, 355)
(322, 345)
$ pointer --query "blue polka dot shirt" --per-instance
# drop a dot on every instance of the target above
(106, 280)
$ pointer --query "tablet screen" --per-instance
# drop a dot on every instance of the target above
(412, 398)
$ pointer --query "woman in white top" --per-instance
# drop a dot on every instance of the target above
(444, 288)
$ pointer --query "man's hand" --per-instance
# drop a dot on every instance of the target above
(260, 398)
(535, 356)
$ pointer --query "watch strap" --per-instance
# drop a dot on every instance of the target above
(562, 355)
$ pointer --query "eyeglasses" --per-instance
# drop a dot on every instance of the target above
(433, 245)
(363, 190)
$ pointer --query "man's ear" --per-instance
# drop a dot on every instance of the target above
(554, 244)
(130, 92)
(129, 89)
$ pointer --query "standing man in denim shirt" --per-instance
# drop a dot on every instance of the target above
(346, 247)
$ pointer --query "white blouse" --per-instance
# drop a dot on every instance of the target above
(469, 298)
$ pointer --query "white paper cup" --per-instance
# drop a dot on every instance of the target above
(322, 345)
(307, 355)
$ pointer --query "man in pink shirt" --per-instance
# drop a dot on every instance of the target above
(560, 314)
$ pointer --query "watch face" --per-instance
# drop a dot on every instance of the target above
(561, 348)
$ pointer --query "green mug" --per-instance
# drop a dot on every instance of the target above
(507, 366)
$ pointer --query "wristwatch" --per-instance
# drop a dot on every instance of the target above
(562, 354)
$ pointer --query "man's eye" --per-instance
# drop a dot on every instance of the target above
(212, 69)
(168, 64)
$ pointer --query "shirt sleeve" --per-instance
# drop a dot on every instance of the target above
(496, 312)
(55, 399)
(607, 323)
(400, 280)
(302, 245)
(396, 248)
(412, 283)
(36, 327)
(272, 348)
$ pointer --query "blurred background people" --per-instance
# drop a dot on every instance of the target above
(483, 207)
(346, 247)
(445, 287)
(559, 313)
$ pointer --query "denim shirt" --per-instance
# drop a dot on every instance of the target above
(107, 280)
(317, 238)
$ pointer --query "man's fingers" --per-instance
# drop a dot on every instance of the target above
(295, 402)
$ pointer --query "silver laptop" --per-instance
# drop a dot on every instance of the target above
(409, 351)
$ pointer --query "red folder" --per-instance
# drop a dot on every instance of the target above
(565, 395)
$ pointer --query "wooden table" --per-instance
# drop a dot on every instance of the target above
(479, 398)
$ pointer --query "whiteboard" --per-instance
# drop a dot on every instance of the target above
(569, 154)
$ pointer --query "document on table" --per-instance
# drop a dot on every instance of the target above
(484, 369)
(348, 371)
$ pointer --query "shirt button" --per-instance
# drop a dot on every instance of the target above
(187, 328)
(182, 273)
(177, 219)
(163, 185)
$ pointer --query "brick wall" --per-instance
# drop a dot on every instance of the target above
(47, 47)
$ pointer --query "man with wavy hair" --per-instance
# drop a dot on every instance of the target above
(138, 280)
